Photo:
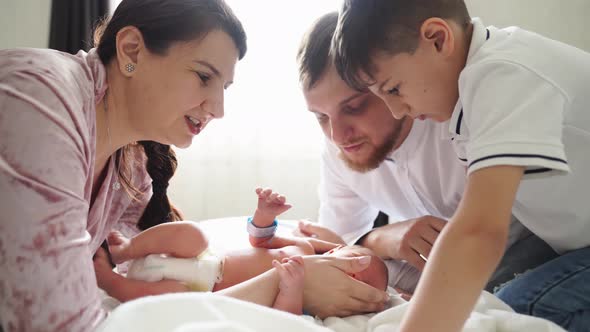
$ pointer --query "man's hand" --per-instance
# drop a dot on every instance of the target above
(409, 240)
(330, 291)
(313, 230)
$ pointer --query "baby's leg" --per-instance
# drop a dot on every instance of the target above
(244, 264)
(178, 239)
(290, 296)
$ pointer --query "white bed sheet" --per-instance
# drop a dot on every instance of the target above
(212, 312)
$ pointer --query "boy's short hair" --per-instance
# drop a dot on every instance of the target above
(366, 27)
(313, 54)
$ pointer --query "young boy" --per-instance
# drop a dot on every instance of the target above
(179, 251)
(519, 110)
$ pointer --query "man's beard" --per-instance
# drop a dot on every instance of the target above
(379, 154)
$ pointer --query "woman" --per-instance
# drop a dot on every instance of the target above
(70, 170)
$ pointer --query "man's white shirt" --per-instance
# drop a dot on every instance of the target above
(422, 177)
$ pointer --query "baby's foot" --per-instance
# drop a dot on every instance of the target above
(290, 296)
(119, 247)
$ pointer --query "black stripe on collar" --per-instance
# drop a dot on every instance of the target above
(458, 128)
(459, 120)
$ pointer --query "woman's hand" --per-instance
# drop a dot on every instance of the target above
(330, 291)
(103, 270)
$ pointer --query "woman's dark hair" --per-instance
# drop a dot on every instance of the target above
(163, 23)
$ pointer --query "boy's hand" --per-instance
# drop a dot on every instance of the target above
(270, 204)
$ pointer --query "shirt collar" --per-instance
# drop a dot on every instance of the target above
(478, 38)
(98, 72)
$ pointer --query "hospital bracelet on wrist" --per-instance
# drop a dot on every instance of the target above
(261, 232)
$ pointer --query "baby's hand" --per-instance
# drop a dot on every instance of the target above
(271, 204)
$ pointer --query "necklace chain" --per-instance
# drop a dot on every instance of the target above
(117, 184)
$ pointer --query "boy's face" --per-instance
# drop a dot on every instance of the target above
(423, 84)
(359, 123)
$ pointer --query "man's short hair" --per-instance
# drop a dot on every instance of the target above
(368, 27)
(313, 54)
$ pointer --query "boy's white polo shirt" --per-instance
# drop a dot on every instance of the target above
(525, 100)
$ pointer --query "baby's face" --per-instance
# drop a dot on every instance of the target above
(374, 275)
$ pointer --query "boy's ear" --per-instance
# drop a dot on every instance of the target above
(438, 34)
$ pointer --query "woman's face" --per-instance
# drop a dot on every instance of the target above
(172, 98)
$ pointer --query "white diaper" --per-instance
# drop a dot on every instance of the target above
(200, 273)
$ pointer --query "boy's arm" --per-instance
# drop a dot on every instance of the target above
(465, 256)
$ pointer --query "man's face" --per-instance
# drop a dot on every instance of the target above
(359, 123)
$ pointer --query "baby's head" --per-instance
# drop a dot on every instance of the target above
(375, 275)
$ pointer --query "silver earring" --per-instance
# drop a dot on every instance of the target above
(130, 67)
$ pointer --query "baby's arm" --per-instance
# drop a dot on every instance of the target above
(178, 239)
(270, 205)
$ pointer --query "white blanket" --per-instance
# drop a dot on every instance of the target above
(211, 312)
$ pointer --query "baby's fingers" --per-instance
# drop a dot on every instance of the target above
(280, 199)
(263, 193)
(272, 198)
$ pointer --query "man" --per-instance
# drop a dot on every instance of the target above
(372, 162)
